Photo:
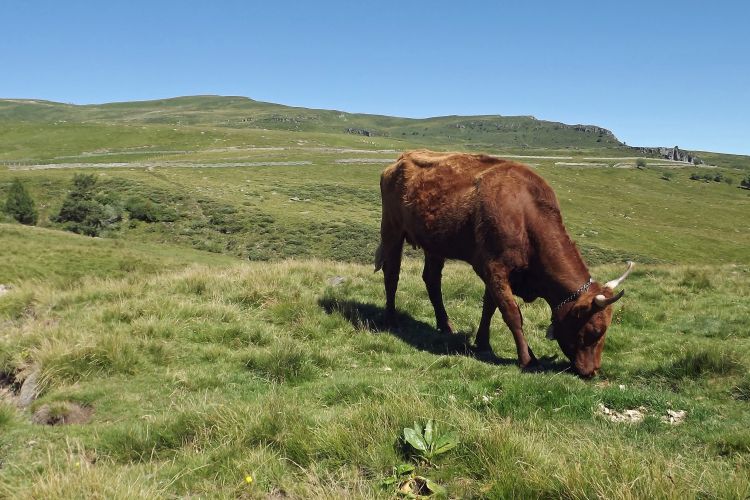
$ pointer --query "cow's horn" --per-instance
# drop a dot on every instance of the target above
(615, 283)
(602, 301)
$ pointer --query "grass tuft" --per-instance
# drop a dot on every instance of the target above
(63, 362)
(696, 281)
(158, 437)
(735, 442)
(741, 391)
(7, 412)
(287, 362)
(17, 304)
(698, 362)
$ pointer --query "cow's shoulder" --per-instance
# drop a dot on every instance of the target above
(445, 164)
(516, 183)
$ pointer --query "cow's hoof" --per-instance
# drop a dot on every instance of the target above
(531, 366)
(390, 322)
(446, 330)
(483, 352)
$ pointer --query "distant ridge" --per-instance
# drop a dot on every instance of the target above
(481, 131)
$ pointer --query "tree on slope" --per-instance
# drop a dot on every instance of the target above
(19, 204)
(85, 212)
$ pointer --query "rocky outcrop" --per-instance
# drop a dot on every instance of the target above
(675, 154)
(362, 131)
(593, 129)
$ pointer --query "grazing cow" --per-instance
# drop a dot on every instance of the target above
(504, 220)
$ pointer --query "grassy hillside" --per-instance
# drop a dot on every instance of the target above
(331, 210)
(195, 379)
(64, 259)
(223, 115)
(222, 336)
(37, 131)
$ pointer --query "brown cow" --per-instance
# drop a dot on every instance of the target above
(504, 220)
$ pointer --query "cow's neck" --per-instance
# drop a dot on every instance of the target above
(562, 270)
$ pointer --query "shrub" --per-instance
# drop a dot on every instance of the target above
(667, 176)
(84, 213)
(19, 204)
(715, 177)
(147, 211)
(640, 163)
(745, 183)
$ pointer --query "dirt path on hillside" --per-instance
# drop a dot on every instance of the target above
(164, 164)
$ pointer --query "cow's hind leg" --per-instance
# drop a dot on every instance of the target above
(432, 276)
(482, 341)
(389, 254)
(498, 283)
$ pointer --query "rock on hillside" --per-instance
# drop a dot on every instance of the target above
(674, 153)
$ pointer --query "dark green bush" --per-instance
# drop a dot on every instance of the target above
(147, 211)
(19, 204)
(715, 177)
(84, 212)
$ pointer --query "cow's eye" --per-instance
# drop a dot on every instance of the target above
(592, 336)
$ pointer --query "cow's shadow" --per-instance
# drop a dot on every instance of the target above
(420, 335)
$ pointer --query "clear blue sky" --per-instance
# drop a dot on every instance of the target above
(656, 73)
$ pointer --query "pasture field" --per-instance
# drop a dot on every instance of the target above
(202, 376)
(233, 346)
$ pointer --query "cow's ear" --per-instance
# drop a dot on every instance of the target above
(582, 309)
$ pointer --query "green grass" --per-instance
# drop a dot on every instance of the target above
(61, 258)
(239, 113)
(272, 212)
(33, 131)
(206, 357)
(199, 377)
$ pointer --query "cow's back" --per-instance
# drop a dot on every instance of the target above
(439, 199)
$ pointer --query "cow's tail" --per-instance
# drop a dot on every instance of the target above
(379, 257)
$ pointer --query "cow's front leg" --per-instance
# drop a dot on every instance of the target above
(499, 285)
(432, 276)
(482, 341)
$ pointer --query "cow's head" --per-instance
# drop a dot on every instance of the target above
(582, 324)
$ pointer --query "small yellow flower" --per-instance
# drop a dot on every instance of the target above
(78, 464)
(248, 479)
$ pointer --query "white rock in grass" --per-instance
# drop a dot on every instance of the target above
(29, 389)
(627, 416)
(336, 280)
(674, 417)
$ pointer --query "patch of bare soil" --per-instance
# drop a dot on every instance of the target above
(62, 413)
(9, 388)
